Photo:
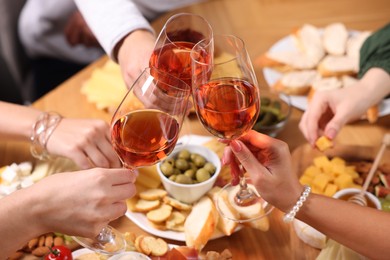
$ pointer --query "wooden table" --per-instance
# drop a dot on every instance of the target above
(260, 23)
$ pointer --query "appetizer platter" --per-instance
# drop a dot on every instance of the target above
(312, 59)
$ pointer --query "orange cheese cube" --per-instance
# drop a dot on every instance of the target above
(320, 181)
(343, 181)
(330, 189)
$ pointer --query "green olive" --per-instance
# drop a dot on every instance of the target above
(176, 171)
(210, 167)
(202, 175)
(181, 164)
(170, 161)
(184, 154)
(190, 173)
(166, 168)
(183, 179)
(172, 177)
(199, 160)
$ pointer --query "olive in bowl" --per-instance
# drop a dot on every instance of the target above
(275, 110)
(189, 172)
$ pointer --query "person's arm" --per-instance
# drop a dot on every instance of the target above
(268, 163)
(329, 111)
(74, 203)
(85, 141)
(111, 21)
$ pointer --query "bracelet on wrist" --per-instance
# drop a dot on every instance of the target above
(289, 217)
(41, 131)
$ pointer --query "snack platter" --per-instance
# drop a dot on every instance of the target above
(272, 76)
(141, 220)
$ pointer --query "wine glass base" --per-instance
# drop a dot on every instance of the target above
(108, 242)
(252, 209)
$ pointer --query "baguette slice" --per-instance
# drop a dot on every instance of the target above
(309, 40)
(324, 84)
(335, 38)
(355, 42)
(225, 225)
(338, 66)
(296, 82)
(201, 223)
(285, 61)
(249, 212)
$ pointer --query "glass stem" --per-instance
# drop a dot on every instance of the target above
(245, 195)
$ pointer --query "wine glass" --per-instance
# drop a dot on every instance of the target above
(173, 47)
(144, 130)
(227, 102)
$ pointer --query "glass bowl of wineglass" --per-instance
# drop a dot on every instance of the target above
(176, 39)
(227, 103)
(144, 130)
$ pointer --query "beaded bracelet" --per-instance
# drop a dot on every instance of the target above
(288, 217)
(41, 132)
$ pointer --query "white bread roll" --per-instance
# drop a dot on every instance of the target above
(335, 38)
(296, 82)
(201, 223)
(338, 66)
(324, 84)
(308, 39)
(290, 60)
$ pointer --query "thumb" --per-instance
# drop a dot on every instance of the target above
(334, 126)
(247, 159)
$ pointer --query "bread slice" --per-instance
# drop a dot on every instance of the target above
(348, 81)
(153, 194)
(309, 40)
(160, 214)
(296, 82)
(200, 223)
(285, 61)
(355, 42)
(225, 225)
(324, 84)
(335, 38)
(249, 212)
(338, 66)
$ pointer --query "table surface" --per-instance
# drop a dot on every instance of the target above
(260, 23)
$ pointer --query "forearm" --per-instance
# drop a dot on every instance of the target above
(362, 229)
(18, 225)
(16, 121)
(112, 20)
(376, 83)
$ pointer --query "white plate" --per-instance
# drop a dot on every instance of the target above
(132, 254)
(140, 219)
(272, 76)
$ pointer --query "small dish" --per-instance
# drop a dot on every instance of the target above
(274, 114)
(189, 193)
(345, 194)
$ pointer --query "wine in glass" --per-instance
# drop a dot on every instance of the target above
(227, 102)
(175, 42)
(144, 130)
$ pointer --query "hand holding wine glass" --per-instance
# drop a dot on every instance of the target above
(227, 103)
(144, 130)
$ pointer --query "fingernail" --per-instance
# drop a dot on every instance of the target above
(331, 133)
(236, 146)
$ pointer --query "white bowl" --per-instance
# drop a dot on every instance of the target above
(346, 193)
(189, 193)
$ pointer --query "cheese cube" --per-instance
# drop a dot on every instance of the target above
(320, 181)
(323, 163)
(312, 171)
(337, 160)
(330, 189)
(343, 181)
(352, 171)
(323, 143)
(306, 180)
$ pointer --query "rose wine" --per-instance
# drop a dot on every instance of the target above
(142, 138)
(227, 107)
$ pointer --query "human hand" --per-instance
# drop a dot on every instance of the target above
(268, 163)
(85, 141)
(133, 54)
(80, 203)
(78, 32)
